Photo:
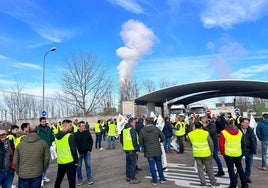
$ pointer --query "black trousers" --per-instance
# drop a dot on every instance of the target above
(70, 169)
(230, 162)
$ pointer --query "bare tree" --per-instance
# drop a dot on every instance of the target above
(129, 90)
(149, 86)
(84, 82)
(19, 104)
(165, 83)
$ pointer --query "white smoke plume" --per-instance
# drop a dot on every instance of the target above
(138, 40)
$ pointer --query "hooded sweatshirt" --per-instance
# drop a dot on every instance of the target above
(149, 139)
(72, 144)
(233, 130)
(31, 156)
(262, 130)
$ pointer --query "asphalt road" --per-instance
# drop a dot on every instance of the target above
(108, 170)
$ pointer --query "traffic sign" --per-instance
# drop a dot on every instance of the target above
(44, 113)
(237, 111)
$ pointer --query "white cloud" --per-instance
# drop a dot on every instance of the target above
(22, 65)
(2, 57)
(251, 71)
(34, 16)
(129, 5)
(227, 13)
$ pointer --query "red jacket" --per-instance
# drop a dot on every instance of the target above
(222, 139)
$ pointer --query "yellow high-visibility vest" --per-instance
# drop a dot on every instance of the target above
(182, 128)
(18, 139)
(63, 149)
(112, 129)
(97, 128)
(199, 140)
(232, 144)
(127, 140)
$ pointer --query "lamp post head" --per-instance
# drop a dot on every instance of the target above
(52, 49)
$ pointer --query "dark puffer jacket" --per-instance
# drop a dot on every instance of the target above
(149, 139)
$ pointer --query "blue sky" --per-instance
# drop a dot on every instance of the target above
(180, 41)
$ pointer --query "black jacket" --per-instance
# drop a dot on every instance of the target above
(249, 140)
(83, 141)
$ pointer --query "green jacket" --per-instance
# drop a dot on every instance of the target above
(45, 133)
(31, 156)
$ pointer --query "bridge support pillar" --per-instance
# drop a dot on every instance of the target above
(150, 107)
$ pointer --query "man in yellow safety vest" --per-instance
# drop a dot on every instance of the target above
(230, 144)
(180, 130)
(202, 146)
(67, 155)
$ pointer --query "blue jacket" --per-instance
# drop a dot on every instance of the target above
(262, 130)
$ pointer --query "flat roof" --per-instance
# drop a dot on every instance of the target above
(193, 92)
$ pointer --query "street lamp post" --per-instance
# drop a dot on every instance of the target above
(44, 59)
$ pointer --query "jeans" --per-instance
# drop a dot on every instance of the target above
(207, 162)
(180, 143)
(98, 140)
(111, 142)
(86, 158)
(152, 161)
(70, 169)
(230, 162)
(6, 178)
(30, 182)
(167, 143)
(131, 162)
(264, 146)
(217, 159)
(248, 160)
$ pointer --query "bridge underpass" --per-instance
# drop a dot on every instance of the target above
(194, 92)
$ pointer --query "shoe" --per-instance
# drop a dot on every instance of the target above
(46, 179)
(14, 186)
(216, 185)
(163, 181)
(165, 169)
(262, 168)
(135, 181)
(220, 173)
(42, 183)
(90, 182)
(80, 182)
(101, 148)
(154, 183)
(128, 180)
(138, 169)
(249, 180)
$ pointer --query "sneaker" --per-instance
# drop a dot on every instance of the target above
(216, 185)
(262, 168)
(249, 180)
(90, 182)
(153, 183)
(220, 174)
(101, 148)
(42, 183)
(128, 180)
(45, 179)
(165, 169)
(80, 182)
(14, 186)
(135, 181)
(163, 181)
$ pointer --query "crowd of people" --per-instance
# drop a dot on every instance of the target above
(28, 152)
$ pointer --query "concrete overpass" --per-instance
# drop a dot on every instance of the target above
(193, 92)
